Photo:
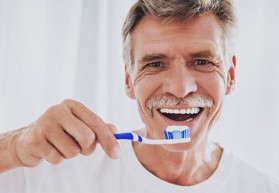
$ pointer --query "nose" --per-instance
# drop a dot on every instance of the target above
(180, 82)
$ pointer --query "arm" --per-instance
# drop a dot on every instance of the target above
(8, 158)
(62, 132)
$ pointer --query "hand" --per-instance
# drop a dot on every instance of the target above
(62, 132)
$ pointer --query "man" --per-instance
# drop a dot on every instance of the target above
(179, 66)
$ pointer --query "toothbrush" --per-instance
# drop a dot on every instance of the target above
(173, 135)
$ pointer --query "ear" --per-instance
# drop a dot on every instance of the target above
(231, 76)
(128, 83)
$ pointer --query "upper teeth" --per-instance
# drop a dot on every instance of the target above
(194, 110)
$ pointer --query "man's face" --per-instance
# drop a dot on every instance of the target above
(179, 75)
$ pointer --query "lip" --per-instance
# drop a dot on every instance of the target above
(169, 121)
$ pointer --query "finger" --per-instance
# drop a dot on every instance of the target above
(112, 127)
(81, 134)
(102, 131)
(90, 149)
(108, 142)
(47, 151)
(53, 156)
(64, 143)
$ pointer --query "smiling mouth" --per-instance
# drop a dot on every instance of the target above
(184, 115)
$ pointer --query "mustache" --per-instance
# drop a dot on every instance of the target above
(192, 99)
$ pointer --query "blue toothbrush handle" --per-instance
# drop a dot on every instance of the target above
(128, 136)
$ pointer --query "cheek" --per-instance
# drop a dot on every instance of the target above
(222, 73)
(214, 84)
(216, 79)
(145, 86)
(215, 89)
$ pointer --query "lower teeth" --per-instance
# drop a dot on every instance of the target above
(188, 120)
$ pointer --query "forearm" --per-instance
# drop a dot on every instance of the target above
(8, 157)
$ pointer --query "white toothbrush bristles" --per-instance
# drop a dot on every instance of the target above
(173, 134)
(177, 132)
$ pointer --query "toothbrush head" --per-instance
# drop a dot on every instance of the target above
(177, 132)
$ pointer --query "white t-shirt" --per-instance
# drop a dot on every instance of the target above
(97, 173)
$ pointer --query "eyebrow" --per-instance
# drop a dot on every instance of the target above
(205, 54)
(151, 57)
(156, 56)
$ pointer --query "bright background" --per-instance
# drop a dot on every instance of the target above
(51, 50)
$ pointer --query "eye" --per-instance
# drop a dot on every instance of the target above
(201, 62)
(203, 65)
(155, 67)
(155, 64)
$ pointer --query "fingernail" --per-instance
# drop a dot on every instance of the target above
(115, 153)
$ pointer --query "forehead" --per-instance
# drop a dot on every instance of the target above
(152, 35)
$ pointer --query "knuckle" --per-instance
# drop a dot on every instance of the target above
(55, 161)
(89, 150)
(88, 139)
(96, 121)
(85, 138)
(54, 116)
(53, 110)
(69, 102)
(34, 164)
(108, 136)
(54, 157)
(72, 104)
(44, 128)
(112, 127)
(73, 153)
(42, 125)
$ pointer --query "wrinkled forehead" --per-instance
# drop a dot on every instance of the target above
(199, 34)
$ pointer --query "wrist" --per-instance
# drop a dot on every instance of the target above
(8, 155)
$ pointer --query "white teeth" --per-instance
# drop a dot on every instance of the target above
(182, 111)
(190, 119)
(176, 111)
(194, 110)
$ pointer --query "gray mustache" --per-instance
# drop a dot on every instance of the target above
(193, 100)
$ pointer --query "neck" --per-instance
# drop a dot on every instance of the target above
(184, 168)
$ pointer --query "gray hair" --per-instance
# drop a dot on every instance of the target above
(181, 10)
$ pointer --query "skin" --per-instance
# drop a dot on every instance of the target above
(69, 128)
(62, 132)
(168, 61)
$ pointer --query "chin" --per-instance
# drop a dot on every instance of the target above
(178, 147)
(195, 143)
